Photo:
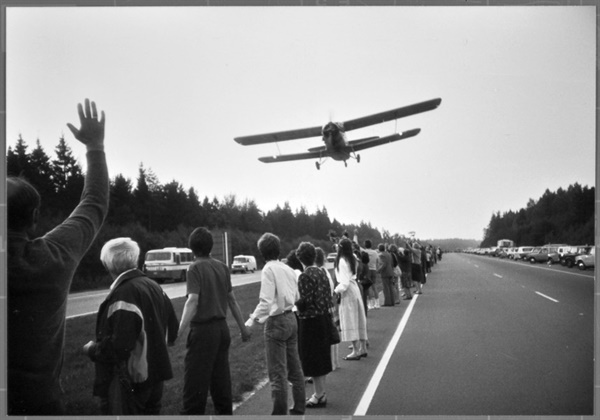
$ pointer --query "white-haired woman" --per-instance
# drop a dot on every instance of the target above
(130, 351)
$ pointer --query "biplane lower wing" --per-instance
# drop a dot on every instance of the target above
(368, 143)
(295, 156)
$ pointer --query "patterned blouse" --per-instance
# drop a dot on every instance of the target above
(315, 292)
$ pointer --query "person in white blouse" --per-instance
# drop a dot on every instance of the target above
(353, 320)
(278, 293)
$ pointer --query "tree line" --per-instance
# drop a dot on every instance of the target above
(563, 216)
(158, 215)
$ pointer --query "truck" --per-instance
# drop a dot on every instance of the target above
(169, 263)
(505, 243)
(243, 264)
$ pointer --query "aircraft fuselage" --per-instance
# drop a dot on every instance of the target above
(335, 140)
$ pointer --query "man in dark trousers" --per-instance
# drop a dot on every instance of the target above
(134, 323)
(40, 272)
(209, 294)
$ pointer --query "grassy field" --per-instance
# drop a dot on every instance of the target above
(247, 360)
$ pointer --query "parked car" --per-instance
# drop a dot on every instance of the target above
(586, 260)
(568, 258)
(537, 255)
(545, 254)
(522, 252)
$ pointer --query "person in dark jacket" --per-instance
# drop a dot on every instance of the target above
(40, 272)
(134, 323)
(386, 271)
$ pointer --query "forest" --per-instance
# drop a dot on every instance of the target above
(158, 215)
(564, 216)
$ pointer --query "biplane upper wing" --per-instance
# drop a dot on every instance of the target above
(295, 156)
(392, 114)
(279, 136)
(368, 143)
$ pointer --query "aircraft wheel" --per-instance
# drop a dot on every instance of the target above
(318, 165)
(345, 164)
(357, 158)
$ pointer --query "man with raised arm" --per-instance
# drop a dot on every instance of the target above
(40, 272)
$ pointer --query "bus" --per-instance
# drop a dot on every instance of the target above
(167, 264)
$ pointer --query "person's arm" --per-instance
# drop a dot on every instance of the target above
(189, 310)
(266, 298)
(77, 232)
(237, 315)
(343, 276)
(126, 326)
(172, 324)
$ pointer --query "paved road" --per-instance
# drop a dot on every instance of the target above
(487, 337)
(87, 303)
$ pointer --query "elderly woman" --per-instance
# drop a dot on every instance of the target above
(313, 323)
(130, 347)
(353, 321)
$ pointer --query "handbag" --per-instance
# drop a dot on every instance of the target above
(334, 334)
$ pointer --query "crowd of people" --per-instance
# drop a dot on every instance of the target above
(306, 309)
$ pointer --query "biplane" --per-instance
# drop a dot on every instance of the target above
(337, 146)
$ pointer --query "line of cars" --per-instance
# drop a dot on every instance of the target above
(582, 256)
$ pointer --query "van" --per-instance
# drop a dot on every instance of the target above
(168, 263)
(243, 264)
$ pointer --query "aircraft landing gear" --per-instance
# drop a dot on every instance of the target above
(345, 164)
(357, 158)
(318, 165)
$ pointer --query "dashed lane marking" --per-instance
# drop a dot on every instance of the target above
(498, 275)
(547, 297)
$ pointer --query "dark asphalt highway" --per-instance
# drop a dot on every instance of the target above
(495, 337)
(487, 337)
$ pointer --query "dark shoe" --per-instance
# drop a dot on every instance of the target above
(314, 402)
(295, 412)
(351, 357)
(365, 354)
(408, 298)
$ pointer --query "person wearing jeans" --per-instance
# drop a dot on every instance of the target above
(278, 293)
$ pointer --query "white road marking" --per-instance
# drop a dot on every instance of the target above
(498, 275)
(85, 314)
(367, 397)
(476, 266)
(547, 297)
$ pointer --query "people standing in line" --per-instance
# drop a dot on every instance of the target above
(335, 313)
(439, 253)
(423, 265)
(405, 261)
(278, 294)
(314, 344)
(386, 271)
(364, 279)
(294, 263)
(416, 269)
(40, 273)
(393, 250)
(353, 320)
(373, 296)
(135, 322)
(209, 294)
(428, 259)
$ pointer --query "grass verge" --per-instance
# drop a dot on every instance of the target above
(247, 360)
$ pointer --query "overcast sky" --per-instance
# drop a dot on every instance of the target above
(179, 83)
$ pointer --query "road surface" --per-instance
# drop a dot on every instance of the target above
(87, 303)
(487, 337)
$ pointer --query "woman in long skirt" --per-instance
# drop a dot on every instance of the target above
(314, 345)
(353, 320)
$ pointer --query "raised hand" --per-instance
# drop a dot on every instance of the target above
(91, 132)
